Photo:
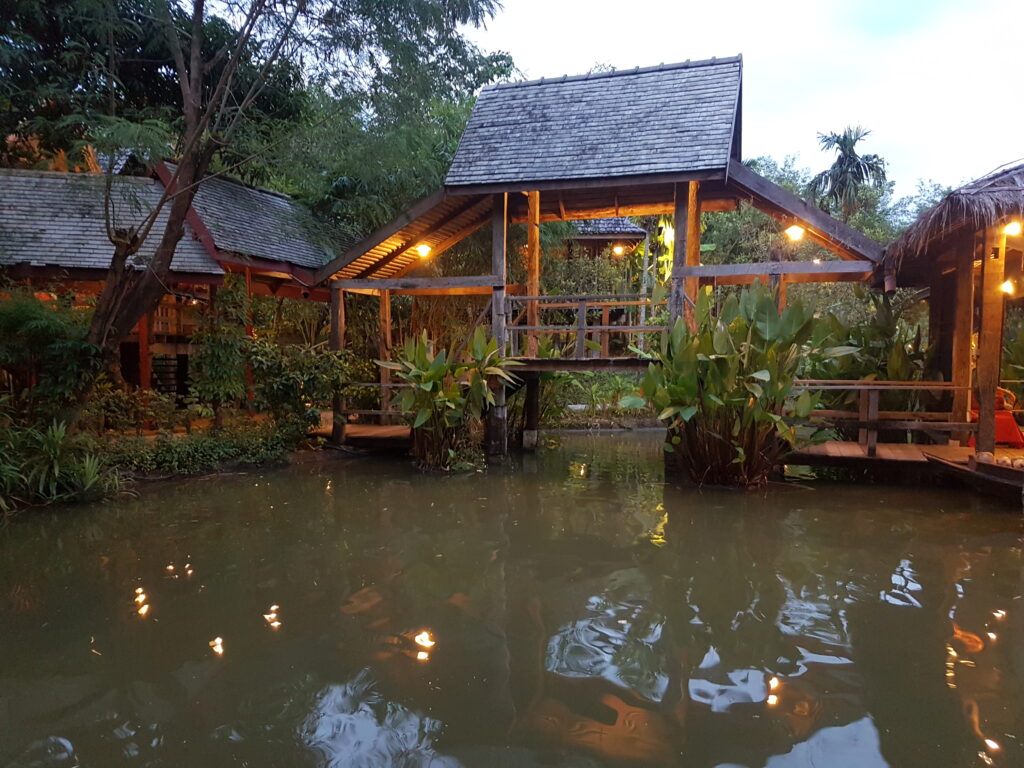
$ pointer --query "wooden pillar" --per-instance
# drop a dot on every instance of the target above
(532, 268)
(497, 417)
(990, 337)
(963, 328)
(641, 338)
(144, 329)
(685, 253)
(606, 335)
(531, 424)
(783, 285)
(337, 342)
(384, 344)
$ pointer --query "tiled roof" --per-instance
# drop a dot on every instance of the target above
(263, 224)
(49, 218)
(619, 225)
(674, 118)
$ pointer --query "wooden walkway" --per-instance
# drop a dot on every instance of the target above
(853, 454)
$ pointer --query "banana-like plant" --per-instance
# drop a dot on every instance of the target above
(725, 390)
(447, 396)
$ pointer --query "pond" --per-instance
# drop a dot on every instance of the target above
(570, 609)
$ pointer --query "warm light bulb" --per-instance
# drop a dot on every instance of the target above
(1012, 229)
(618, 250)
(1007, 287)
(795, 232)
(422, 656)
(423, 250)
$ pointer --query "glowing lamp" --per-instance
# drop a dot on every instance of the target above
(423, 250)
(1007, 287)
(1012, 229)
(795, 232)
(424, 639)
(618, 250)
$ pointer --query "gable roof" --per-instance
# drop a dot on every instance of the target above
(50, 218)
(618, 226)
(673, 118)
(258, 223)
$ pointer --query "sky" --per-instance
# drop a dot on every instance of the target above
(938, 82)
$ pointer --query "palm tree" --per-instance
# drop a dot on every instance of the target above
(837, 187)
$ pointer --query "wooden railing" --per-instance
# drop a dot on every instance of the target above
(599, 334)
(868, 419)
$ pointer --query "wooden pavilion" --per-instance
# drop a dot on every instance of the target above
(967, 251)
(571, 148)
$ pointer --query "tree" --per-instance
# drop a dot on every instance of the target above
(220, 68)
(837, 187)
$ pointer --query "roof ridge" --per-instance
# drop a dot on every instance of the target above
(46, 173)
(688, 64)
(222, 176)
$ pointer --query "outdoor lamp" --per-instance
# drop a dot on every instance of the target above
(1007, 287)
(423, 250)
(1012, 229)
(795, 232)
(618, 250)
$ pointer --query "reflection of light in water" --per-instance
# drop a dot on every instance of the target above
(271, 616)
(140, 595)
(352, 724)
(992, 744)
(422, 656)
(772, 700)
(217, 644)
(425, 639)
(169, 568)
(1000, 614)
(854, 745)
(719, 688)
(773, 684)
(143, 609)
(991, 635)
(904, 582)
(141, 599)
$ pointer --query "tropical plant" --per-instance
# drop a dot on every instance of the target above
(725, 391)
(291, 381)
(837, 187)
(446, 396)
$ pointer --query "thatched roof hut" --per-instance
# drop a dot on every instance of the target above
(974, 207)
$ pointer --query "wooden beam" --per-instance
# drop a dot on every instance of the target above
(990, 336)
(532, 267)
(337, 342)
(452, 241)
(765, 268)
(963, 328)
(677, 289)
(510, 290)
(775, 200)
(384, 343)
(625, 209)
(378, 237)
(497, 416)
(692, 250)
(603, 182)
(413, 283)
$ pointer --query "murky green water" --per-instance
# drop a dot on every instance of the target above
(569, 611)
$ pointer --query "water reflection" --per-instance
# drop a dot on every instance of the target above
(571, 610)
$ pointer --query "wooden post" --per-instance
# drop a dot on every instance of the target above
(145, 358)
(606, 335)
(990, 341)
(384, 346)
(685, 253)
(337, 342)
(872, 445)
(783, 285)
(532, 268)
(641, 339)
(497, 417)
(693, 247)
(581, 330)
(963, 328)
(531, 424)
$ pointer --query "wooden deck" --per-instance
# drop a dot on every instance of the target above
(853, 454)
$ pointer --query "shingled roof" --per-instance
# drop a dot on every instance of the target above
(48, 218)
(618, 226)
(259, 223)
(669, 119)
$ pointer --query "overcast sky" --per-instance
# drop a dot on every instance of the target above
(940, 83)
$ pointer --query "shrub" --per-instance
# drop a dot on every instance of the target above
(447, 397)
(722, 391)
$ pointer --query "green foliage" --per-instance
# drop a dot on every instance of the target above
(836, 188)
(291, 380)
(1013, 351)
(49, 465)
(446, 396)
(723, 390)
(113, 408)
(197, 453)
(44, 357)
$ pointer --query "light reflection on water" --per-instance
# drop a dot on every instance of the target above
(571, 610)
